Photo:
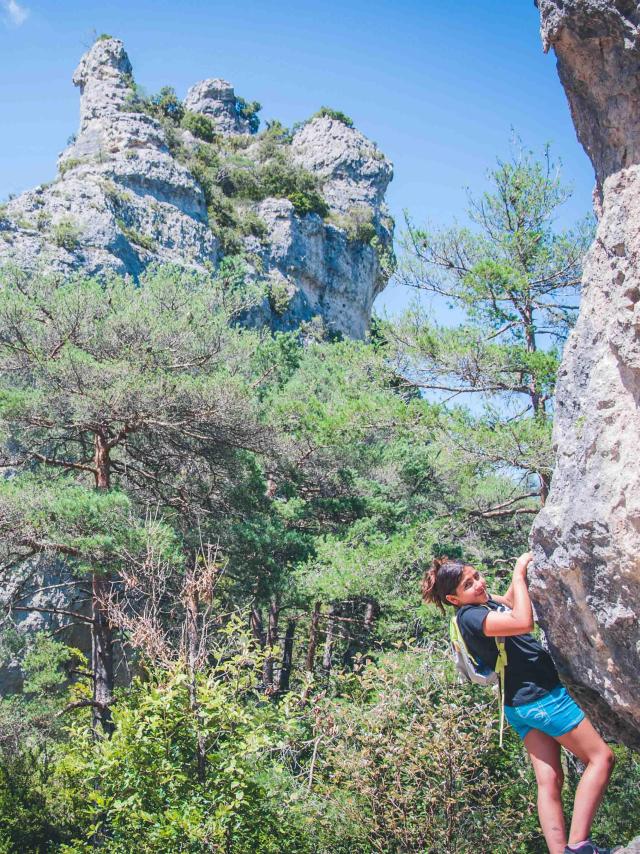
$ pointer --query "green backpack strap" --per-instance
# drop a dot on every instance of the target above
(501, 664)
(501, 661)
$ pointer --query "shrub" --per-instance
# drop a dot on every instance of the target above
(334, 114)
(66, 165)
(66, 235)
(144, 240)
(357, 223)
(309, 201)
(103, 37)
(249, 110)
(139, 790)
(410, 762)
(166, 103)
(278, 293)
(199, 125)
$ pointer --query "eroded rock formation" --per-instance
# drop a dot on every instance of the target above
(586, 582)
(126, 196)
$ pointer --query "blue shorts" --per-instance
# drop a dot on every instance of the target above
(555, 713)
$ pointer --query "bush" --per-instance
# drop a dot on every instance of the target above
(308, 202)
(249, 110)
(357, 223)
(166, 103)
(410, 762)
(334, 114)
(140, 792)
(66, 165)
(66, 235)
(144, 240)
(199, 125)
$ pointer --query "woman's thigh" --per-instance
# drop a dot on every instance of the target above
(585, 742)
(544, 752)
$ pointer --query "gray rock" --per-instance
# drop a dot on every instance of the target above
(596, 45)
(323, 272)
(123, 201)
(586, 540)
(354, 170)
(215, 98)
(632, 848)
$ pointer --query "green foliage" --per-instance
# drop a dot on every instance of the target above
(249, 110)
(334, 114)
(357, 222)
(103, 37)
(168, 104)
(516, 280)
(140, 789)
(199, 125)
(410, 763)
(68, 164)
(66, 235)
(164, 105)
(134, 236)
(279, 294)
(309, 201)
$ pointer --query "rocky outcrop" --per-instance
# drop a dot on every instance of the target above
(632, 848)
(216, 99)
(586, 582)
(126, 197)
(121, 201)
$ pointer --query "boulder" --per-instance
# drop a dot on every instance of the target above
(216, 99)
(586, 540)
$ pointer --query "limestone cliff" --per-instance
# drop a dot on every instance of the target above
(586, 582)
(137, 187)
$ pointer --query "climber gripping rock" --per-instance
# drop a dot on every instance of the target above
(492, 634)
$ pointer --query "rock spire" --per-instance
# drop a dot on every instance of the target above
(586, 582)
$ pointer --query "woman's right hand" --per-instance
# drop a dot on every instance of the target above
(522, 564)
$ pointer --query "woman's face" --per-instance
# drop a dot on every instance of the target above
(471, 590)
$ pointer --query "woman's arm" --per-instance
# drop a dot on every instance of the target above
(519, 620)
(507, 599)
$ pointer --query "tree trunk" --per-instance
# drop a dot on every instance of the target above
(329, 643)
(371, 611)
(272, 640)
(287, 658)
(313, 640)
(537, 400)
(101, 630)
(257, 627)
(192, 605)
(101, 658)
(102, 462)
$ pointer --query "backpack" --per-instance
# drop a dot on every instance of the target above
(475, 670)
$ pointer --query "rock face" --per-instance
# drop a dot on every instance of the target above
(125, 198)
(632, 848)
(215, 98)
(586, 582)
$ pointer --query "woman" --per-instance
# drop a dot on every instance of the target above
(536, 705)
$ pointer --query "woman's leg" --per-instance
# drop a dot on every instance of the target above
(544, 752)
(585, 743)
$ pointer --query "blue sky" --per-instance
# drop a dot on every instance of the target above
(437, 84)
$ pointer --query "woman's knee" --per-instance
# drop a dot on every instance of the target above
(606, 759)
(550, 780)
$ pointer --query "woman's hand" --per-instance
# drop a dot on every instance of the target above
(522, 564)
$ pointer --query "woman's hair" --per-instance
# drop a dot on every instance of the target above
(441, 580)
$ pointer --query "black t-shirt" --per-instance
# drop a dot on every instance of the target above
(530, 671)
